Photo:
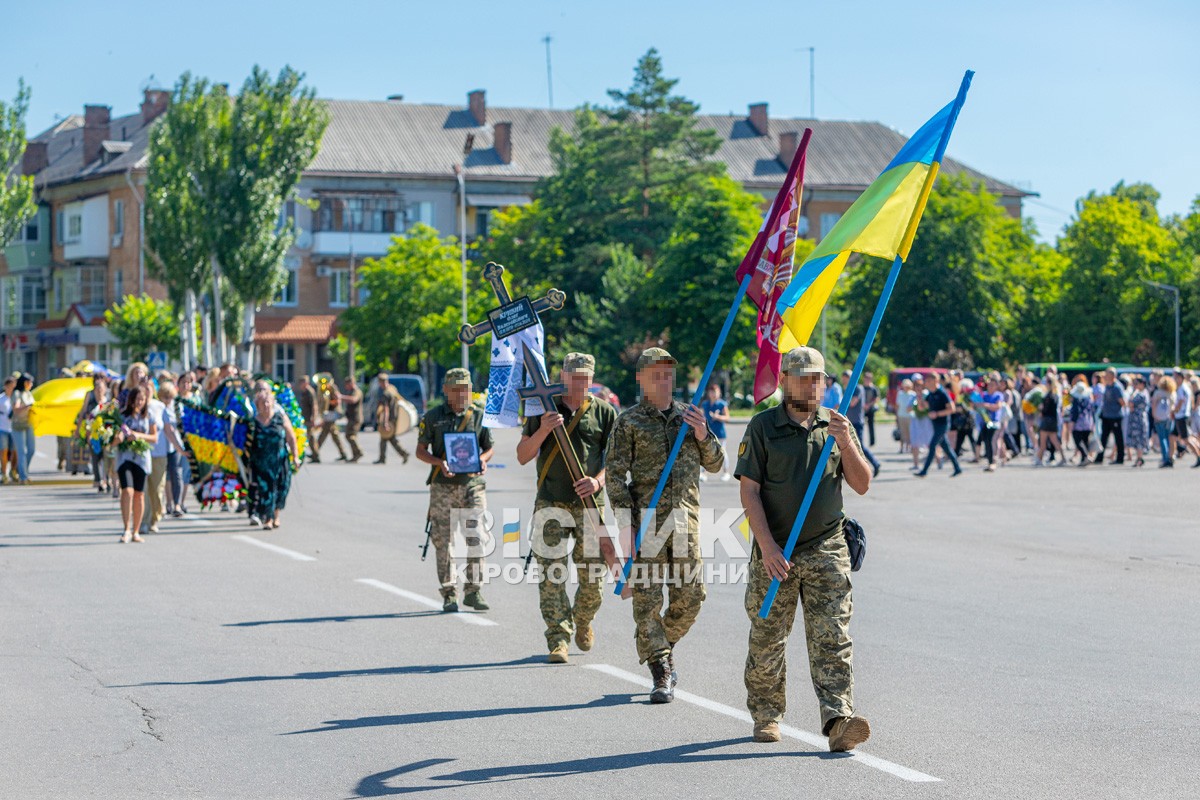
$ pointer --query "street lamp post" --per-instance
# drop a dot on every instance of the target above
(460, 173)
(1174, 290)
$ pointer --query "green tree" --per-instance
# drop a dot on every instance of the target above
(142, 325)
(957, 284)
(1114, 242)
(640, 175)
(274, 131)
(16, 190)
(220, 170)
(414, 301)
(177, 241)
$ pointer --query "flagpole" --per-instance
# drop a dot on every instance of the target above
(819, 470)
(648, 516)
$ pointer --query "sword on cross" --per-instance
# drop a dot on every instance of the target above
(509, 318)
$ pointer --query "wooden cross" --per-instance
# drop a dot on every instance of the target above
(542, 389)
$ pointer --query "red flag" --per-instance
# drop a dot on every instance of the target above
(769, 263)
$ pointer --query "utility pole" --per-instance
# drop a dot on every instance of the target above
(812, 82)
(460, 173)
(1174, 290)
(549, 73)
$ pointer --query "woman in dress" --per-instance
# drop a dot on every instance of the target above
(137, 435)
(1049, 423)
(22, 429)
(1137, 436)
(920, 430)
(270, 454)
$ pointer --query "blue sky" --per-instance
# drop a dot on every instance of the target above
(1068, 97)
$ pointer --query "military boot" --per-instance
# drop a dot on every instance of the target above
(671, 666)
(450, 604)
(585, 637)
(663, 691)
(475, 601)
(558, 655)
(846, 733)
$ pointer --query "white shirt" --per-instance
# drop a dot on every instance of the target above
(6, 405)
(159, 414)
(1184, 393)
(904, 402)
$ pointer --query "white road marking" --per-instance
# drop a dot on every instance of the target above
(470, 619)
(274, 548)
(197, 520)
(787, 730)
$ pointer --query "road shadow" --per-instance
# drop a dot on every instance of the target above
(347, 618)
(422, 669)
(377, 785)
(421, 718)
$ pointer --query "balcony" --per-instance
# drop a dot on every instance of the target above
(342, 243)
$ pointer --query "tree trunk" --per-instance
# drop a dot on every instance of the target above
(248, 337)
(218, 311)
(189, 329)
(206, 335)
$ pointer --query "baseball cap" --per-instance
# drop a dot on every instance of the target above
(579, 362)
(457, 377)
(803, 360)
(654, 355)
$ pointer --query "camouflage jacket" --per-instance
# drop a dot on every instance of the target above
(641, 441)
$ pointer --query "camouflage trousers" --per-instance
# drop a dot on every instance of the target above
(550, 548)
(677, 567)
(444, 498)
(819, 580)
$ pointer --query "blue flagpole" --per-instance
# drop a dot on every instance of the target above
(859, 366)
(683, 431)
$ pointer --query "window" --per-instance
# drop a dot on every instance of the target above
(60, 227)
(85, 285)
(419, 212)
(28, 233)
(74, 227)
(52, 362)
(287, 212)
(827, 223)
(111, 356)
(366, 214)
(284, 363)
(118, 286)
(339, 288)
(481, 221)
(290, 291)
(118, 221)
(22, 301)
(802, 226)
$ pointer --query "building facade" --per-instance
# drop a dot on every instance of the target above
(383, 166)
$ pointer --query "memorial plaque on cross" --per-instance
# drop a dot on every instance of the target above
(508, 318)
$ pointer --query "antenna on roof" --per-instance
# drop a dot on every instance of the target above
(549, 73)
(149, 83)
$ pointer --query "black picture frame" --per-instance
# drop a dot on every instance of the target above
(462, 453)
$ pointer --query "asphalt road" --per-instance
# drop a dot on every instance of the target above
(1025, 634)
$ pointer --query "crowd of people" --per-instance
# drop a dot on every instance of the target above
(1054, 419)
(130, 432)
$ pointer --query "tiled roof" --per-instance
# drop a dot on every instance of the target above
(301, 328)
(414, 139)
(65, 149)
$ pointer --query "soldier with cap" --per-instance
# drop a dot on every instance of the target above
(776, 461)
(456, 497)
(670, 552)
(387, 411)
(589, 423)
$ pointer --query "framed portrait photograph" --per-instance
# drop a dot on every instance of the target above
(462, 453)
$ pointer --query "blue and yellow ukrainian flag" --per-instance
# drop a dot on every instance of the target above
(882, 222)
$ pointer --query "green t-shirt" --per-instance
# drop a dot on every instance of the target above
(440, 420)
(590, 440)
(780, 456)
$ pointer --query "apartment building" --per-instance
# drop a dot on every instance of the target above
(383, 166)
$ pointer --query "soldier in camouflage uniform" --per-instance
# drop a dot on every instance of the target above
(775, 464)
(670, 552)
(449, 492)
(589, 422)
